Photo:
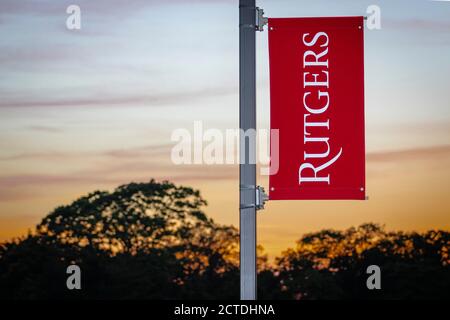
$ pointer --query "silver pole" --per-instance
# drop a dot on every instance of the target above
(247, 170)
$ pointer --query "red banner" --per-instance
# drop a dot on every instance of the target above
(317, 103)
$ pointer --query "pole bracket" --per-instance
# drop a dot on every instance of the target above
(260, 197)
(261, 21)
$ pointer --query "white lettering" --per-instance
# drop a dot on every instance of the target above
(316, 103)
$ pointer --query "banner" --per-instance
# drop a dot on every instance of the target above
(317, 104)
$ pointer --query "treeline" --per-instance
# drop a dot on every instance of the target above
(153, 241)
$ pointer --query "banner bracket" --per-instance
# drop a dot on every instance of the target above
(260, 197)
(261, 21)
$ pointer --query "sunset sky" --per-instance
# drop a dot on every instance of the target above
(94, 108)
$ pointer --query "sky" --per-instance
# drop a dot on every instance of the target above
(95, 108)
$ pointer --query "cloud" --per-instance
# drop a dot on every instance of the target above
(408, 154)
(44, 179)
(11, 186)
(49, 129)
(18, 55)
(142, 163)
(418, 24)
(52, 7)
(163, 149)
(53, 156)
(158, 99)
(147, 151)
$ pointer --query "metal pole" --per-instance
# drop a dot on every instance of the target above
(247, 170)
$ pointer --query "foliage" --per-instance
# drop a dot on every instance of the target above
(153, 241)
(332, 264)
(144, 240)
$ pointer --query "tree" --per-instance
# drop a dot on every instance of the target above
(153, 241)
(332, 264)
(144, 240)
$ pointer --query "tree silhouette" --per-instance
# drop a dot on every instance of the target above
(153, 241)
(134, 217)
(147, 240)
(332, 264)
